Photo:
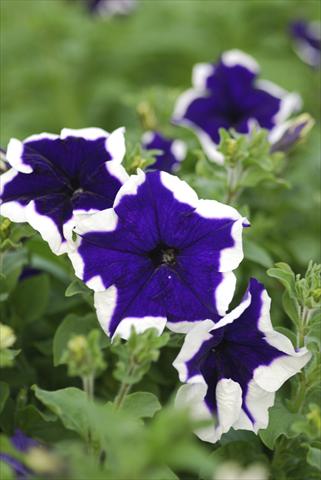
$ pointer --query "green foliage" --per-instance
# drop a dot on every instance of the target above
(71, 326)
(136, 355)
(141, 404)
(280, 423)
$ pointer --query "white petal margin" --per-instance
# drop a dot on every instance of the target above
(115, 141)
(147, 137)
(231, 257)
(191, 397)
(115, 144)
(130, 187)
(229, 401)
(180, 189)
(179, 150)
(271, 377)
(91, 133)
(14, 156)
(231, 58)
(47, 229)
(12, 210)
(181, 106)
(115, 169)
(258, 402)
(200, 74)
(224, 292)
(103, 221)
(192, 344)
(105, 303)
(291, 102)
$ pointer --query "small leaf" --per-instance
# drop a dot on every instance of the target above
(141, 404)
(70, 405)
(283, 272)
(314, 457)
(76, 287)
(290, 306)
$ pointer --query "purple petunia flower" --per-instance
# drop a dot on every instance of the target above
(229, 95)
(22, 443)
(110, 8)
(162, 254)
(233, 368)
(173, 151)
(55, 180)
(307, 41)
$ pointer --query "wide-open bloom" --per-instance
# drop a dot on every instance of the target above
(22, 443)
(229, 95)
(234, 367)
(307, 41)
(161, 253)
(54, 180)
(173, 151)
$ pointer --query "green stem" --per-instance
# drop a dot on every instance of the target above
(88, 383)
(233, 188)
(124, 387)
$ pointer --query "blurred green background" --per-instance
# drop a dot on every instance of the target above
(62, 67)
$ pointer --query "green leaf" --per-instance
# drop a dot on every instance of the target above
(77, 287)
(280, 423)
(290, 306)
(4, 394)
(141, 404)
(70, 405)
(31, 297)
(71, 325)
(11, 267)
(314, 457)
(283, 272)
(256, 253)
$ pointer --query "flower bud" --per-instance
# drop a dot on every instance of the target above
(7, 336)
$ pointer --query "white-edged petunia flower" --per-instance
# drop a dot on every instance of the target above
(172, 153)
(229, 95)
(57, 179)
(233, 368)
(307, 41)
(161, 255)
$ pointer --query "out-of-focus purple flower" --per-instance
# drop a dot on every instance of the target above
(229, 95)
(29, 272)
(22, 443)
(233, 368)
(57, 179)
(160, 256)
(307, 41)
(293, 132)
(173, 151)
(110, 8)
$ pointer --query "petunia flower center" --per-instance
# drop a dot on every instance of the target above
(234, 116)
(163, 255)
